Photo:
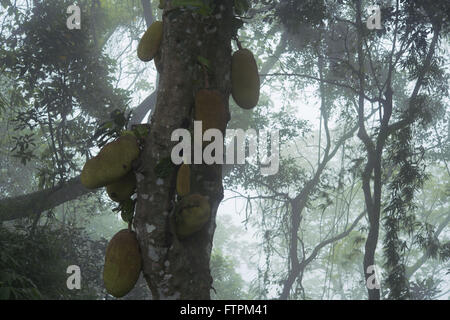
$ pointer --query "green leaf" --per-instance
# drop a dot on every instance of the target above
(140, 130)
(108, 125)
(164, 168)
(241, 6)
(204, 62)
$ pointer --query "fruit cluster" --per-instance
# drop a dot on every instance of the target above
(193, 210)
(111, 168)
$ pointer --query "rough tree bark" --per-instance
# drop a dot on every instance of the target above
(374, 156)
(174, 269)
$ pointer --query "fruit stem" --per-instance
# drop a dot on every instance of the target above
(238, 44)
(205, 75)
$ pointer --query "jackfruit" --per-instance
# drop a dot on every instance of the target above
(192, 212)
(122, 263)
(244, 79)
(211, 110)
(112, 163)
(123, 188)
(184, 180)
(149, 44)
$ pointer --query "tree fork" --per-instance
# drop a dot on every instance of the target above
(174, 269)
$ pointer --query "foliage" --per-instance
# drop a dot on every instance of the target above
(12, 284)
(64, 85)
(402, 189)
(33, 263)
(425, 289)
(227, 282)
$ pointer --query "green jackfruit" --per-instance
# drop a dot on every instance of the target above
(122, 263)
(192, 213)
(112, 163)
(150, 41)
(244, 79)
(211, 110)
(123, 188)
(184, 180)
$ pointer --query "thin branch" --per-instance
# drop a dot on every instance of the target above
(411, 270)
(307, 76)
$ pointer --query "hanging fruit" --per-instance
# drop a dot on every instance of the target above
(111, 164)
(149, 44)
(123, 188)
(192, 213)
(211, 110)
(184, 180)
(244, 79)
(122, 263)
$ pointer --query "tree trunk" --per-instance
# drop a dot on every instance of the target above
(372, 200)
(180, 269)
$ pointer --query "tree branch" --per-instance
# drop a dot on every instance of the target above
(307, 76)
(149, 103)
(333, 239)
(411, 270)
(406, 121)
(284, 295)
(147, 6)
(37, 202)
